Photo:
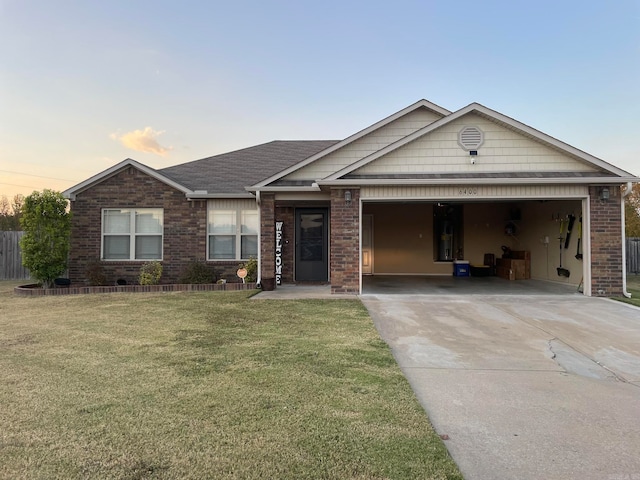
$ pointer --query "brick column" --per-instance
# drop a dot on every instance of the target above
(267, 235)
(345, 241)
(286, 215)
(606, 243)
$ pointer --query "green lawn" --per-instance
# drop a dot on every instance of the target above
(204, 385)
(633, 287)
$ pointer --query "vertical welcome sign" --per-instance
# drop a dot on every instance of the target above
(279, 253)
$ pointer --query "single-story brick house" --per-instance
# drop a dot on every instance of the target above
(407, 195)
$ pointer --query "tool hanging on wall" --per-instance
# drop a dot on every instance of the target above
(562, 272)
(578, 251)
(572, 220)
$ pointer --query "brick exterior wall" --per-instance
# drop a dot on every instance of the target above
(185, 228)
(344, 242)
(267, 235)
(606, 243)
(286, 214)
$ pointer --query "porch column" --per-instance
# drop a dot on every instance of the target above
(606, 243)
(345, 240)
(267, 236)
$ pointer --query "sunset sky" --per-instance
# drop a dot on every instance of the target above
(84, 84)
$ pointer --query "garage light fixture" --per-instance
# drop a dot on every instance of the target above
(604, 194)
(347, 197)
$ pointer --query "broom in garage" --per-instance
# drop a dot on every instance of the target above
(562, 272)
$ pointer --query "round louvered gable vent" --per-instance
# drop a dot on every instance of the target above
(470, 138)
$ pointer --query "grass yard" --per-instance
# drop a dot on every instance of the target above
(204, 385)
(633, 287)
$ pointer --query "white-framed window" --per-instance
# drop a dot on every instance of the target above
(232, 230)
(132, 233)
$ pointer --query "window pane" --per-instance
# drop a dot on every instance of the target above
(311, 236)
(116, 221)
(116, 247)
(249, 246)
(222, 221)
(149, 221)
(222, 246)
(249, 222)
(148, 247)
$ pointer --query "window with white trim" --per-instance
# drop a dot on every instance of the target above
(232, 231)
(132, 234)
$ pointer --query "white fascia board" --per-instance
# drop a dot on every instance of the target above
(419, 104)
(204, 196)
(491, 114)
(73, 191)
(314, 188)
(478, 181)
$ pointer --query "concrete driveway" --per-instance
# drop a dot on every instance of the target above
(523, 386)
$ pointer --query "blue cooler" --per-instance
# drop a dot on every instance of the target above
(461, 268)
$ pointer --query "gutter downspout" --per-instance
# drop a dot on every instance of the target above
(625, 192)
(259, 273)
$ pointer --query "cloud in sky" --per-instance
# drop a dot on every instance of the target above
(143, 141)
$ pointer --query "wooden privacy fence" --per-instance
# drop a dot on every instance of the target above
(633, 255)
(11, 258)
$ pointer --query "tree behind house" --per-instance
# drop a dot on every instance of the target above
(632, 213)
(10, 213)
(45, 244)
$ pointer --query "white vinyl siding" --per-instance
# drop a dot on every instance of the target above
(232, 230)
(473, 192)
(366, 145)
(132, 234)
(503, 150)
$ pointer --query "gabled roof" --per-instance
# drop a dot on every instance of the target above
(224, 175)
(228, 174)
(235, 174)
(338, 145)
(496, 117)
(100, 177)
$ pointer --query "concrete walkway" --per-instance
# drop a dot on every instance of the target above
(535, 386)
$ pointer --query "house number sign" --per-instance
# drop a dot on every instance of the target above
(467, 191)
(279, 253)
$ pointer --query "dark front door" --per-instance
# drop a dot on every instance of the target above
(312, 262)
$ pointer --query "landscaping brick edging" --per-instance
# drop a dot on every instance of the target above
(31, 290)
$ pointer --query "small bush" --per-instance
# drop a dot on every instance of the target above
(95, 274)
(198, 272)
(150, 273)
(251, 266)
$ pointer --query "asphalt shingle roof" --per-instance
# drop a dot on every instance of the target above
(232, 172)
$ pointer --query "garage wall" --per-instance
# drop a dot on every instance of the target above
(540, 220)
(402, 239)
(403, 236)
(484, 230)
